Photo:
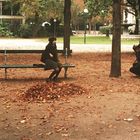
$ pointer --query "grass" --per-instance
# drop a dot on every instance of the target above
(94, 40)
(91, 40)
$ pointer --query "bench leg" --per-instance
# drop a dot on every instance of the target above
(65, 73)
(5, 73)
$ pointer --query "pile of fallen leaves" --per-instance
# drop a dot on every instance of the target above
(51, 91)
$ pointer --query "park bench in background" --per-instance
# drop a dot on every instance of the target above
(6, 66)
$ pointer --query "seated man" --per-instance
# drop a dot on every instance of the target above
(50, 58)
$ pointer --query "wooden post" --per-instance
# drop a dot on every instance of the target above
(5, 62)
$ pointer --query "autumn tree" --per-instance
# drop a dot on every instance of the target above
(75, 19)
(38, 11)
(116, 41)
(45, 9)
(97, 8)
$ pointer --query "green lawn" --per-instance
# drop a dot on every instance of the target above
(95, 40)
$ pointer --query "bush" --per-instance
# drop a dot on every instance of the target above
(49, 31)
(106, 30)
(25, 31)
(4, 31)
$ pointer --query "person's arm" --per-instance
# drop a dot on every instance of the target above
(55, 54)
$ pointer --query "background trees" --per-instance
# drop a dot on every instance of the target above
(75, 19)
(38, 11)
(99, 9)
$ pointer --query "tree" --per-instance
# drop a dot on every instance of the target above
(38, 11)
(67, 19)
(9, 8)
(97, 8)
(116, 42)
(75, 19)
(45, 9)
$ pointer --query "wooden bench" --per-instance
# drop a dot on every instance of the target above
(7, 66)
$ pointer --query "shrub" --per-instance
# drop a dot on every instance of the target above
(25, 31)
(4, 31)
(106, 30)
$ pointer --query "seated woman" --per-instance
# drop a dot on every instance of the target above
(50, 58)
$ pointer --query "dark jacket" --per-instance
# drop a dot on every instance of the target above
(136, 49)
(50, 52)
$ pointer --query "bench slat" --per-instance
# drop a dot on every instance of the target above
(31, 51)
(32, 66)
(19, 66)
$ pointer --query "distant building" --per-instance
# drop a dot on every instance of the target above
(128, 17)
(10, 16)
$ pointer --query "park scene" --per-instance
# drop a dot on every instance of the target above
(69, 70)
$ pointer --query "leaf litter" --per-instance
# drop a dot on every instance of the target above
(51, 91)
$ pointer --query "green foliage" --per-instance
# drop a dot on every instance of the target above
(55, 9)
(96, 7)
(25, 31)
(75, 19)
(37, 12)
(106, 29)
(9, 7)
(4, 31)
(44, 9)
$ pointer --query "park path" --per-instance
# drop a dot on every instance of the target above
(36, 44)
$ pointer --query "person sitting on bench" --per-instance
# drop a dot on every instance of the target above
(50, 58)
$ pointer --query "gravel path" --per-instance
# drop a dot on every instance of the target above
(35, 44)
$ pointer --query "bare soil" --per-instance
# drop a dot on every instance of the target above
(108, 110)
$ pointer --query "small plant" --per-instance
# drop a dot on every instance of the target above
(4, 31)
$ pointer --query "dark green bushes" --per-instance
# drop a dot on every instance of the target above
(106, 30)
(4, 30)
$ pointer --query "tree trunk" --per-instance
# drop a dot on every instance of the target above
(137, 23)
(138, 17)
(116, 41)
(67, 18)
(137, 27)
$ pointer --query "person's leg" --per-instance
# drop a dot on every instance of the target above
(135, 69)
(53, 74)
(50, 64)
(59, 67)
(57, 73)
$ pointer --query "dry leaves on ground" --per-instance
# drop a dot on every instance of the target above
(51, 91)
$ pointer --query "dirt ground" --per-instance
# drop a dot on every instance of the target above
(108, 110)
